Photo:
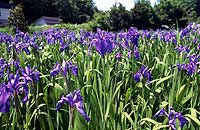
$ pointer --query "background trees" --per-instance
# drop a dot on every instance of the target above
(171, 13)
(119, 18)
(142, 15)
(17, 18)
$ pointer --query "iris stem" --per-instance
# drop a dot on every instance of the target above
(18, 113)
(71, 115)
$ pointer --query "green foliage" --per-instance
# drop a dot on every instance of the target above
(142, 15)
(100, 20)
(113, 100)
(189, 10)
(7, 29)
(73, 27)
(169, 13)
(119, 18)
(17, 19)
(75, 11)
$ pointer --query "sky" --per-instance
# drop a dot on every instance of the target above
(106, 4)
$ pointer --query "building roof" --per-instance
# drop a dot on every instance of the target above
(49, 20)
(5, 5)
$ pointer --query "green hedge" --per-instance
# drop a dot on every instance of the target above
(90, 26)
(6, 29)
(74, 27)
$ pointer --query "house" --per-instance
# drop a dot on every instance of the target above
(4, 13)
(44, 20)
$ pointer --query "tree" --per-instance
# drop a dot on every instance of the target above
(170, 13)
(100, 20)
(17, 18)
(86, 10)
(119, 18)
(142, 15)
(75, 11)
(190, 15)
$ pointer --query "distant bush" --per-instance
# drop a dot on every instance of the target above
(100, 21)
(6, 29)
(73, 27)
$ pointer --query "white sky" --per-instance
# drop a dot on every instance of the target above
(106, 4)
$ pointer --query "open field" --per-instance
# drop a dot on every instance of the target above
(135, 80)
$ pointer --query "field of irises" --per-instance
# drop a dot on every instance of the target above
(134, 80)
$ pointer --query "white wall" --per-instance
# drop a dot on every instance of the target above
(4, 13)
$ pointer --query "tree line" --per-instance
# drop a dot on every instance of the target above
(164, 14)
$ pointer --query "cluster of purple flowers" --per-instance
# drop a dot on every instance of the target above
(181, 48)
(104, 42)
(17, 85)
(103, 46)
(61, 36)
(129, 41)
(145, 73)
(172, 116)
(23, 42)
(136, 53)
(192, 66)
(189, 29)
(64, 68)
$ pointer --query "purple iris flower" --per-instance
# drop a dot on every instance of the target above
(184, 32)
(64, 68)
(16, 63)
(73, 68)
(146, 34)
(15, 85)
(118, 55)
(103, 45)
(20, 45)
(4, 98)
(136, 53)
(137, 76)
(33, 43)
(129, 54)
(194, 58)
(55, 70)
(144, 72)
(63, 45)
(172, 116)
(198, 47)
(181, 48)
(30, 74)
(133, 35)
(126, 44)
(190, 67)
(74, 100)
(161, 112)
(3, 66)
(195, 40)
